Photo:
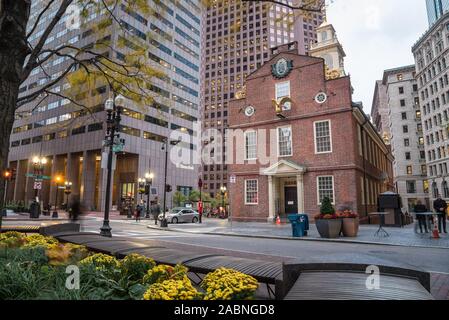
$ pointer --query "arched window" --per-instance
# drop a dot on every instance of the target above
(435, 190)
(445, 188)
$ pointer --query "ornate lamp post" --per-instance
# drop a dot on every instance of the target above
(68, 191)
(148, 182)
(164, 223)
(38, 167)
(113, 108)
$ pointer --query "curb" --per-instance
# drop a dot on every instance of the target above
(296, 239)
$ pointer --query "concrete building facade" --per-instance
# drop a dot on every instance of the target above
(71, 139)
(432, 74)
(314, 143)
(238, 37)
(400, 108)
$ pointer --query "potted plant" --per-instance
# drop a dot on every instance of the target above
(350, 225)
(327, 222)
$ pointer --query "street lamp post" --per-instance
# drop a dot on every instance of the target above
(68, 191)
(113, 108)
(58, 179)
(223, 192)
(164, 223)
(148, 183)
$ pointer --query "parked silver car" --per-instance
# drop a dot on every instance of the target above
(178, 215)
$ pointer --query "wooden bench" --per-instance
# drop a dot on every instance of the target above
(352, 286)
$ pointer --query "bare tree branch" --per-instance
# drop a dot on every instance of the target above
(32, 61)
(36, 23)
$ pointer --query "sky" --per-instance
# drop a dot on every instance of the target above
(376, 35)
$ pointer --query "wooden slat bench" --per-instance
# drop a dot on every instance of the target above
(351, 286)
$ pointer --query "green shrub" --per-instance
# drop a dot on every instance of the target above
(326, 207)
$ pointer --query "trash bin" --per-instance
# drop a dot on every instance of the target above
(35, 210)
(300, 224)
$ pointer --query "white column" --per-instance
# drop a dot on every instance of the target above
(271, 199)
(300, 190)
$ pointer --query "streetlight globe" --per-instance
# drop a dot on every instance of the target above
(120, 101)
(149, 175)
(109, 105)
(44, 160)
(36, 160)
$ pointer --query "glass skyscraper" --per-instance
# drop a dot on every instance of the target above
(435, 9)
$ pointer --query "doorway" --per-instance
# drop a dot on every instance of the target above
(291, 200)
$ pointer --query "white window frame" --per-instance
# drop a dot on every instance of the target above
(246, 146)
(291, 141)
(315, 137)
(277, 98)
(257, 192)
(318, 188)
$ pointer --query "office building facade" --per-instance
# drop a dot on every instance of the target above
(71, 139)
(237, 40)
(396, 103)
(432, 74)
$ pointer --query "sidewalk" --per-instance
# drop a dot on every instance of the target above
(398, 236)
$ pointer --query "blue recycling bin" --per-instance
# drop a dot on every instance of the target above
(300, 224)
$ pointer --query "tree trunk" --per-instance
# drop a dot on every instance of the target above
(8, 97)
(14, 15)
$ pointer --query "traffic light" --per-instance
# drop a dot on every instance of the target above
(168, 188)
(147, 189)
(13, 173)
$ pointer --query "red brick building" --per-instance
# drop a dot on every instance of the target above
(297, 137)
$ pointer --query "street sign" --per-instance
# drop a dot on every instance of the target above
(37, 185)
(232, 178)
(37, 176)
(116, 148)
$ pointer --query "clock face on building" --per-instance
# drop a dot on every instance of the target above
(321, 98)
(249, 111)
(282, 68)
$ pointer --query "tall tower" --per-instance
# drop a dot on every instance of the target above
(435, 9)
(330, 49)
(237, 39)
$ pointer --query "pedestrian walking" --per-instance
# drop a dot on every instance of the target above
(156, 210)
(419, 208)
(440, 207)
(75, 209)
(139, 210)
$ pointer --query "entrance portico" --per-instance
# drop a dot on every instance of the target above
(285, 188)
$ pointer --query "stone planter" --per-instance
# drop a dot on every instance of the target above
(329, 228)
(350, 227)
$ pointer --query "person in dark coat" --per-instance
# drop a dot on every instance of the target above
(156, 210)
(440, 207)
(419, 207)
(75, 209)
